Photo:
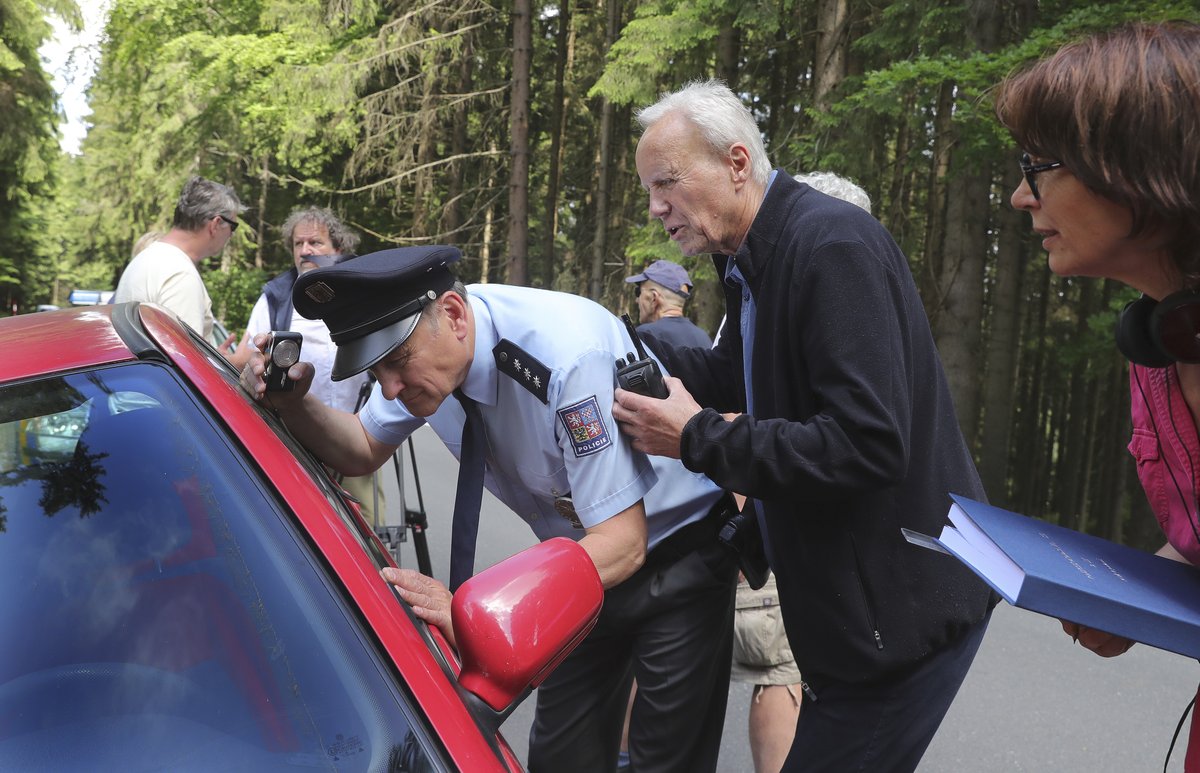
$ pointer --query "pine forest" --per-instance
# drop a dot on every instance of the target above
(507, 129)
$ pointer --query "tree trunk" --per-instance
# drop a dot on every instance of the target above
(935, 202)
(958, 325)
(829, 69)
(896, 215)
(707, 307)
(1000, 380)
(558, 120)
(1114, 502)
(518, 181)
(959, 321)
(625, 204)
(452, 209)
(264, 180)
(1050, 461)
(1079, 396)
(604, 169)
(1029, 420)
(728, 46)
(489, 220)
(600, 237)
(427, 123)
(777, 93)
(796, 68)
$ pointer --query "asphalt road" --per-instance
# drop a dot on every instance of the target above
(1033, 701)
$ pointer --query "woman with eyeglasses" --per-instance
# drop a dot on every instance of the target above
(1110, 129)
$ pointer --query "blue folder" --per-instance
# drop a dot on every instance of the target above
(1072, 576)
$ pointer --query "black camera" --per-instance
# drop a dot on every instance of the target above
(640, 374)
(282, 352)
(742, 535)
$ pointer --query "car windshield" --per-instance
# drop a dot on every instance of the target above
(160, 610)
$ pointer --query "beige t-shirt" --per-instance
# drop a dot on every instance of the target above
(164, 274)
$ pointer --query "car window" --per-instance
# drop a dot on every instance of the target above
(356, 525)
(159, 610)
(320, 476)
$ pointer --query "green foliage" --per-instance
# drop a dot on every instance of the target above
(28, 142)
(234, 293)
(396, 115)
(660, 31)
(648, 242)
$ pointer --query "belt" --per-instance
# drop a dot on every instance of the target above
(694, 535)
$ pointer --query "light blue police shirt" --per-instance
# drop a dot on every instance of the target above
(538, 454)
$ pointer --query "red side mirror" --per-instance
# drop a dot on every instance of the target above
(517, 620)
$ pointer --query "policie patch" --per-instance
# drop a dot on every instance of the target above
(585, 425)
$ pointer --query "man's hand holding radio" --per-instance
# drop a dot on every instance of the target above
(650, 409)
(655, 425)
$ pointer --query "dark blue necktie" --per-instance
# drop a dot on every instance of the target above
(469, 495)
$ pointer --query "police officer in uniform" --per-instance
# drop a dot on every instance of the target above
(540, 367)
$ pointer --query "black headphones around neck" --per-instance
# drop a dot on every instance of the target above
(1157, 333)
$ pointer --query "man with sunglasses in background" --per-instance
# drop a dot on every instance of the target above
(167, 272)
(316, 238)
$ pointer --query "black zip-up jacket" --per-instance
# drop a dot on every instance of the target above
(853, 436)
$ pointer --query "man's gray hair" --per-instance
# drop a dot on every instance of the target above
(201, 200)
(342, 238)
(720, 116)
(428, 313)
(839, 187)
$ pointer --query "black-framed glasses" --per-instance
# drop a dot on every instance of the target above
(637, 290)
(233, 224)
(1031, 170)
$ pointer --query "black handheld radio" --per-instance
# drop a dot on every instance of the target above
(639, 374)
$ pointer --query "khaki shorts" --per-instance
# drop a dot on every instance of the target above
(761, 654)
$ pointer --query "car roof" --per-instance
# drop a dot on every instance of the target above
(55, 341)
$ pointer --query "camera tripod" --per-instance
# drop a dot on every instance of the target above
(415, 520)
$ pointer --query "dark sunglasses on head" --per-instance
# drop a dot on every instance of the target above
(1031, 170)
(233, 224)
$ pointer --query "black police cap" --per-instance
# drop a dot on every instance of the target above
(371, 303)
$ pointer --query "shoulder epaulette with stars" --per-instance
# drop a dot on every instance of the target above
(519, 365)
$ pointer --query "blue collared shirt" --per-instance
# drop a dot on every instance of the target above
(733, 276)
(538, 454)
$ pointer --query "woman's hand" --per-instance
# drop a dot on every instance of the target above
(1106, 645)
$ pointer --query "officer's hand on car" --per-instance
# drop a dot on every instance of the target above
(255, 373)
(429, 599)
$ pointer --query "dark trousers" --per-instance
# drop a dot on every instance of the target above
(881, 726)
(671, 626)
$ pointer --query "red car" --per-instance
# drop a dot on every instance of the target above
(186, 589)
